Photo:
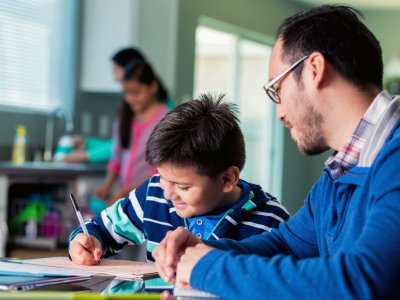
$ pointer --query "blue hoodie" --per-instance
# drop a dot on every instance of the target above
(344, 243)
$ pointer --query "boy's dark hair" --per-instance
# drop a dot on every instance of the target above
(141, 71)
(336, 32)
(124, 56)
(203, 133)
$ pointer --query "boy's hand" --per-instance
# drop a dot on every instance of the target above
(81, 252)
(187, 262)
(169, 251)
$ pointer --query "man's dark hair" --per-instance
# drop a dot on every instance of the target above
(336, 32)
(203, 133)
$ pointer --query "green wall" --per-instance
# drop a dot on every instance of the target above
(385, 25)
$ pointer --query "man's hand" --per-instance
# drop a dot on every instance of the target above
(187, 262)
(169, 251)
(81, 251)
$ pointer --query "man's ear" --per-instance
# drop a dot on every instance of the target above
(230, 178)
(319, 68)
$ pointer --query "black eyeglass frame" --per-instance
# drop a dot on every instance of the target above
(269, 86)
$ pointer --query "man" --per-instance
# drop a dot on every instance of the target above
(326, 80)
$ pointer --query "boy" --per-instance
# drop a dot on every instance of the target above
(198, 149)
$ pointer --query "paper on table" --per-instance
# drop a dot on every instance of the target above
(187, 293)
(23, 283)
(18, 268)
(120, 268)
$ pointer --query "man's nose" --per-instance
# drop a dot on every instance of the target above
(279, 112)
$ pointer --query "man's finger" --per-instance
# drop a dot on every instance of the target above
(166, 296)
(160, 270)
(175, 242)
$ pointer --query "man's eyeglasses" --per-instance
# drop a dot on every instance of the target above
(269, 87)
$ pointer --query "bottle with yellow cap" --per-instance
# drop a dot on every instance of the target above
(19, 147)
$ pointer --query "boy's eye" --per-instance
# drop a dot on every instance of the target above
(183, 188)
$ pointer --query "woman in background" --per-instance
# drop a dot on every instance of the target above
(144, 105)
(92, 149)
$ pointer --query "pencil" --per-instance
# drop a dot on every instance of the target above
(81, 222)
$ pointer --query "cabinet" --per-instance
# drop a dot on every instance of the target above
(35, 211)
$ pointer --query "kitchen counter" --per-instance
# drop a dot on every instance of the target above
(51, 168)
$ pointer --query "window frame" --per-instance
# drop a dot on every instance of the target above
(274, 186)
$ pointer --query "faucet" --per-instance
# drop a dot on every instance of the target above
(60, 111)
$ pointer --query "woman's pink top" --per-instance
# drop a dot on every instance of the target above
(130, 163)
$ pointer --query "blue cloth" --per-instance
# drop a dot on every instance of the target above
(97, 149)
(203, 226)
(146, 215)
(344, 243)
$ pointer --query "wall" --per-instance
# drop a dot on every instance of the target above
(101, 36)
(157, 38)
(385, 25)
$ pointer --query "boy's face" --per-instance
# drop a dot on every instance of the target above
(191, 194)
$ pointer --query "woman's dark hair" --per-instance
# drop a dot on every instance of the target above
(141, 71)
(337, 32)
(124, 56)
(203, 133)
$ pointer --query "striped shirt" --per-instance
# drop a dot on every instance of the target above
(146, 215)
(374, 126)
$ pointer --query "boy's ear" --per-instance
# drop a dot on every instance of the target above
(230, 178)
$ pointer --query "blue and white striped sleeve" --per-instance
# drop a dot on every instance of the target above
(120, 224)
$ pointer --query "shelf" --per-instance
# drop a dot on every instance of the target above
(38, 242)
(20, 252)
